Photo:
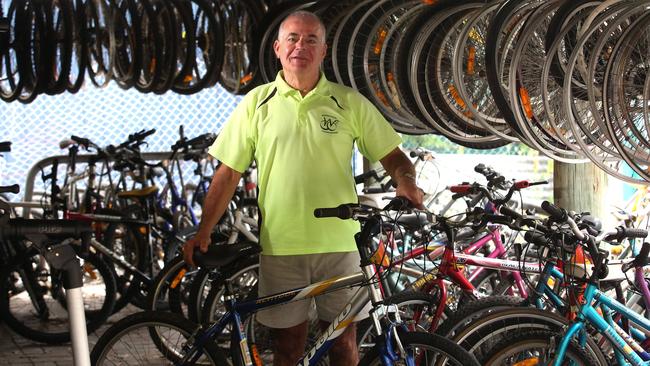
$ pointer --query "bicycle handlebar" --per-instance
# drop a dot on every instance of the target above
(14, 188)
(421, 154)
(353, 210)
(556, 214)
(343, 211)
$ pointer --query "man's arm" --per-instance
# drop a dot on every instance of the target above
(223, 185)
(402, 171)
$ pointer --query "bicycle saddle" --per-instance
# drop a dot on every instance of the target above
(224, 254)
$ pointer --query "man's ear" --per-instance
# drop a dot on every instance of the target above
(276, 48)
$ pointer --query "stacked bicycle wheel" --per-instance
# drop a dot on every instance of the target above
(567, 78)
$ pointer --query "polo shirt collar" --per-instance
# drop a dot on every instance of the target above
(322, 87)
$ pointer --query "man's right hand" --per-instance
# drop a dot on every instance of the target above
(200, 241)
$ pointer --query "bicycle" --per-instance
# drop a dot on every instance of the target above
(51, 239)
(396, 344)
(595, 310)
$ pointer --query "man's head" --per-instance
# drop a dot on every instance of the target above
(301, 44)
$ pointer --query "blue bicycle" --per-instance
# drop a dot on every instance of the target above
(149, 338)
(618, 327)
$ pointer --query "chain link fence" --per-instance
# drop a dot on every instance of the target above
(106, 116)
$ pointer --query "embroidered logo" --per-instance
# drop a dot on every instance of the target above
(329, 124)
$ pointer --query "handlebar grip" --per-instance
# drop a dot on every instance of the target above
(143, 134)
(536, 237)
(635, 233)
(522, 184)
(138, 136)
(19, 228)
(497, 219)
(555, 212)
(202, 141)
(5, 146)
(504, 210)
(461, 188)
(342, 212)
(14, 188)
(81, 141)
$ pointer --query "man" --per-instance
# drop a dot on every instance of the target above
(301, 129)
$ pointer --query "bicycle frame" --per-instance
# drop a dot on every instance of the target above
(451, 261)
(626, 348)
(351, 312)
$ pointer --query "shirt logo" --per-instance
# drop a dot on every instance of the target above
(329, 124)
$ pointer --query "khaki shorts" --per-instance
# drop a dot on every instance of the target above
(284, 273)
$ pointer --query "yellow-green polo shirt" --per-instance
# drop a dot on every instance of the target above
(303, 149)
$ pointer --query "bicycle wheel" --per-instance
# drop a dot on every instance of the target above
(32, 300)
(538, 347)
(99, 26)
(473, 310)
(428, 349)
(209, 46)
(525, 95)
(480, 336)
(244, 277)
(241, 20)
(169, 289)
(501, 39)
(79, 53)
(128, 341)
(129, 245)
(11, 74)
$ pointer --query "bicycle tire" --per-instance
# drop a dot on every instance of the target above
(469, 72)
(125, 38)
(243, 270)
(523, 341)
(129, 244)
(507, 17)
(79, 53)
(473, 310)
(34, 57)
(12, 74)
(239, 73)
(490, 325)
(51, 324)
(209, 46)
(59, 38)
(435, 346)
(98, 43)
(136, 329)
(151, 48)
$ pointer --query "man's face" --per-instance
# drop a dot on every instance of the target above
(300, 46)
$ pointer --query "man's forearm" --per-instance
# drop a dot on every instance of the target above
(222, 188)
(399, 167)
